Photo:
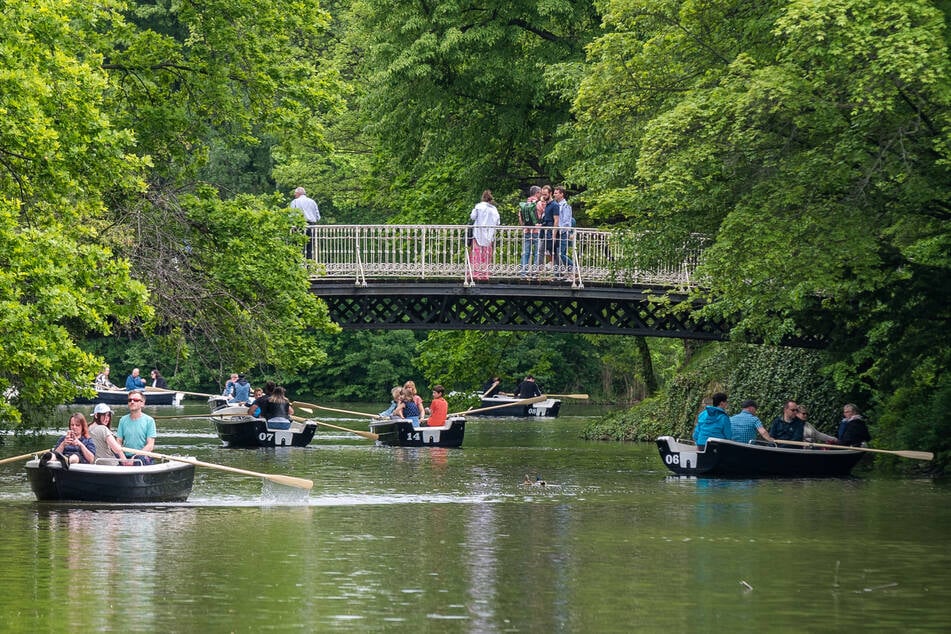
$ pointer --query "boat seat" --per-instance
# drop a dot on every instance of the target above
(280, 424)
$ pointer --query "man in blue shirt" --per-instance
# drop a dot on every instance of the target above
(137, 429)
(713, 421)
(745, 425)
(134, 381)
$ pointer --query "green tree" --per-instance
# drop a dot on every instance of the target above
(811, 141)
(210, 90)
(446, 99)
(60, 159)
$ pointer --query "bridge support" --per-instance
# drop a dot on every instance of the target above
(409, 305)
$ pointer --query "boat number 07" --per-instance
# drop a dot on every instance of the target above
(672, 458)
(265, 436)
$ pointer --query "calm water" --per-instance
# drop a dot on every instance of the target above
(437, 540)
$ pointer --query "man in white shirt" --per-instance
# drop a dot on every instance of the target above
(308, 207)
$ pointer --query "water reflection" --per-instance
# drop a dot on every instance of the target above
(429, 539)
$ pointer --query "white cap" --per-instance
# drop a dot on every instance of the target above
(102, 408)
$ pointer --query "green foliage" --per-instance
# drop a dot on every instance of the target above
(361, 366)
(768, 375)
(917, 416)
(445, 99)
(464, 360)
(60, 158)
(811, 141)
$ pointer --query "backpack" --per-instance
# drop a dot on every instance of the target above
(526, 211)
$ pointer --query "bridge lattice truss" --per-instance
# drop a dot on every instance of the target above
(422, 278)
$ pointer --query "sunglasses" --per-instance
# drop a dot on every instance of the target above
(136, 400)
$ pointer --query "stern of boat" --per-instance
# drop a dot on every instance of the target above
(680, 457)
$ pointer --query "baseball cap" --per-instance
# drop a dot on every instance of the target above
(102, 408)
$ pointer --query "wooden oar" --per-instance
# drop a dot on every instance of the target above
(524, 401)
(366, 434)
(23, 457)
(209, 415)
(904, 453)
(582, 397)
(305, 406)
(489, 390)
(149, 388)
(300, 483)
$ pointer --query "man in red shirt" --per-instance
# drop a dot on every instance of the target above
(438, 408)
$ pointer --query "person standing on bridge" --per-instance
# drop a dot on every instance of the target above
(485, 219)
(551, 239)
(565, 221)
(308, 207)
(528, 217)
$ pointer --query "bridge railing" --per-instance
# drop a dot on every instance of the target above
(440, 252)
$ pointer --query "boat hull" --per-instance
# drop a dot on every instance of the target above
(726, 458)
(548, 408)
(160, 482)
(247, 432)
(402, 433)
(120, 397)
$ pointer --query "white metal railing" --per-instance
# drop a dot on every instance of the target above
(440, 252)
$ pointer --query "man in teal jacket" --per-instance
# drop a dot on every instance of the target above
(713, 421)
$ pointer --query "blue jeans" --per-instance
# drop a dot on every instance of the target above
(529, 244)
(564, 251)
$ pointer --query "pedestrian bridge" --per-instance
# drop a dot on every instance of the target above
(422, 278)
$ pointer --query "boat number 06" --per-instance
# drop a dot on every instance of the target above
(265, 436)
(672, 458)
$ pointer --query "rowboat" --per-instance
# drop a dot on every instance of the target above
(119, 397)
(52, 478)
(217, 402)
(728, 458)
(543, 409)
(402, 433)
(237, 429)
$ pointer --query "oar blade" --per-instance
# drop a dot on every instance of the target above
(291, 481)
(916, 455)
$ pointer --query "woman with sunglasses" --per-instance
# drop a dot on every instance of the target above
(137, 429)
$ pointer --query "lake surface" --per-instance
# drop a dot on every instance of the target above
(436, 540)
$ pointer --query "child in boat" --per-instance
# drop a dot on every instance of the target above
(407, 408)
(411, 385)
(438, 409)
(396, 395)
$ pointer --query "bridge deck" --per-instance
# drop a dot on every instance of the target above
(442, 252)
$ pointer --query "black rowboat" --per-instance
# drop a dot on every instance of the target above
(52, 478)
(120, 397)
(543, 409)
(239, 430)
(402, 433)
(727, 458)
